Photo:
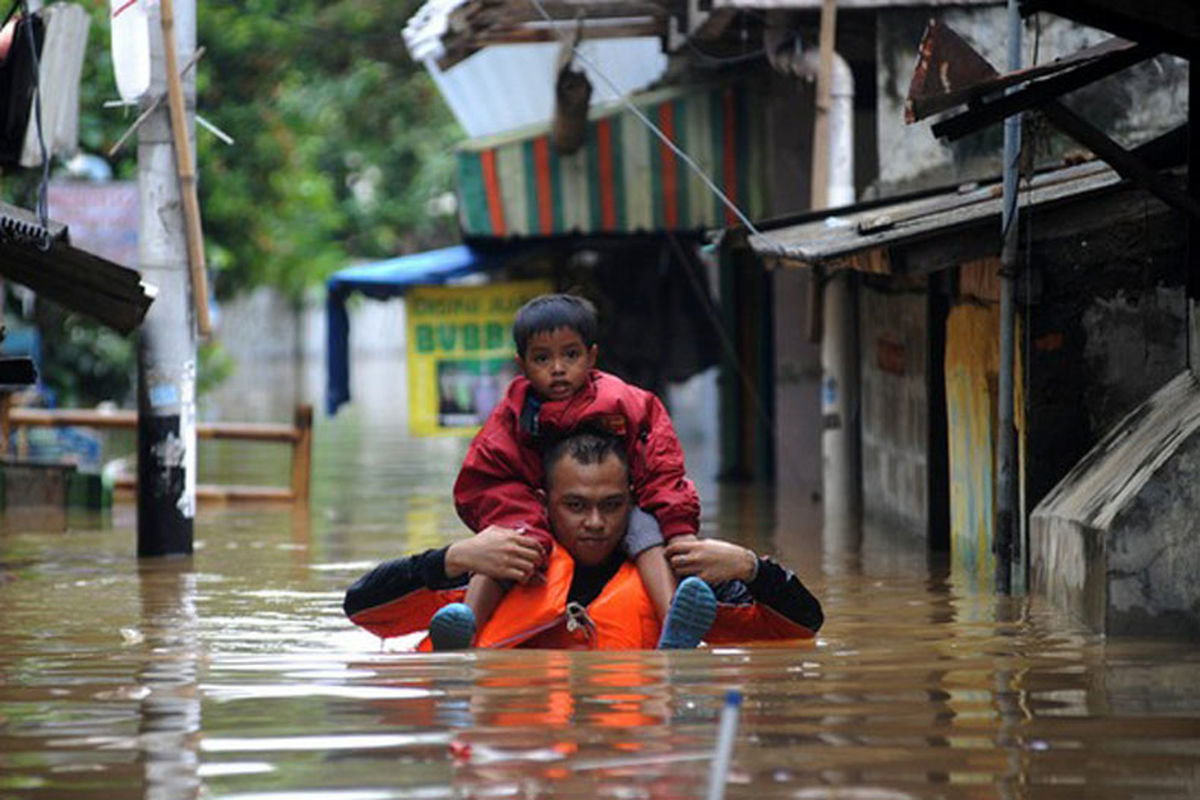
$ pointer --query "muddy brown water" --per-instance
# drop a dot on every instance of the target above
(233, 674)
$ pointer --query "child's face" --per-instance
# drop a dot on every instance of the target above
(557, 363)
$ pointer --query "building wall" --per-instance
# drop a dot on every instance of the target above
(1153, 550)
(1117, 541)
(797, 392)
(893, 337)
(1108, 328)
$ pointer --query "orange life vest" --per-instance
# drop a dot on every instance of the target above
(538, 615)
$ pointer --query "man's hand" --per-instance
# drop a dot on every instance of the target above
(711, 560)
(500, 553)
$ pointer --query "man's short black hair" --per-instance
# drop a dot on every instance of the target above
(584, 448)
(549, 312)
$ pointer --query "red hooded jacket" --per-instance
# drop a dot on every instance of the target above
(502, 471)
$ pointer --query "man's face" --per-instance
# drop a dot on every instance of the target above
(588, 506)
(557, 363)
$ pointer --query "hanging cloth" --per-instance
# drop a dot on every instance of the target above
(18, 81)
(572, 96)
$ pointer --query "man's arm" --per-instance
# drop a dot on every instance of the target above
(500, 553)
(394, 579)
(739, 575)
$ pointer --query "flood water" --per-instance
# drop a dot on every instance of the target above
(233, 674)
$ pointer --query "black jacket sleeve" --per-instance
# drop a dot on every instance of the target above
(778, 588)
(398, 577)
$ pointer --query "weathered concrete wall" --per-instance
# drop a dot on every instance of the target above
(1118, 540)
(797, 393)
(1107, 331)
(272, 344)
(265, 324)
(1135, 343)
(895, 407)
(1133, 106)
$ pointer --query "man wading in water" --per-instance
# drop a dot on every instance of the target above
(592, 597)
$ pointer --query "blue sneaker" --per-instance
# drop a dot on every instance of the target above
(452, 627)
(692, 612)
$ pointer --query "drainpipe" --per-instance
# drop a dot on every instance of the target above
(839, 339)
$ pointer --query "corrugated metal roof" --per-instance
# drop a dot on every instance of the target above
(44, 260)
(850, 231)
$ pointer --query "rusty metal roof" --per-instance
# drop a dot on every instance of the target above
(950, 72)
(838, 239)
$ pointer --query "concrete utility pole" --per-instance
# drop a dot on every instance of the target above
(167, 339)
(1006, 437)
(832, 184)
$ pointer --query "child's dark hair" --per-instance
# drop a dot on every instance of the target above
(549, 312)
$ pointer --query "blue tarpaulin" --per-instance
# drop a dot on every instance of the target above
(382, 280)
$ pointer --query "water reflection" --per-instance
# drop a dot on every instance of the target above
(170, 724)
(235, 675)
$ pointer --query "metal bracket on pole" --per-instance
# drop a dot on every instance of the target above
(145, 115)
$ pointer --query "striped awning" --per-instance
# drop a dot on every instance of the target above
(624, 179)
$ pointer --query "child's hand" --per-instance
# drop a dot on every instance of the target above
(711, 560)
(500, 553)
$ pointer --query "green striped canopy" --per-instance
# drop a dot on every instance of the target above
(624, 179)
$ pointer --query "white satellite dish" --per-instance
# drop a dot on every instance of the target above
(131, 47)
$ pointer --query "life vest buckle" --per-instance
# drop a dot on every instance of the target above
(577, 618)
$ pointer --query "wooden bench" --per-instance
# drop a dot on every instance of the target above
(298, 436)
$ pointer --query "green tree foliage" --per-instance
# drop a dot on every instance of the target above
(342, 140)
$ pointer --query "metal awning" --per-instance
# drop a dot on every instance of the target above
(382, 280)
(44, 260)
(623, 180)
(949, 72)
(862, 239)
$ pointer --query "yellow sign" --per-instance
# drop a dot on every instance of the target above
(460, 352)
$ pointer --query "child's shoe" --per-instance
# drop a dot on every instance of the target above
(452, 627)
(692, 612)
